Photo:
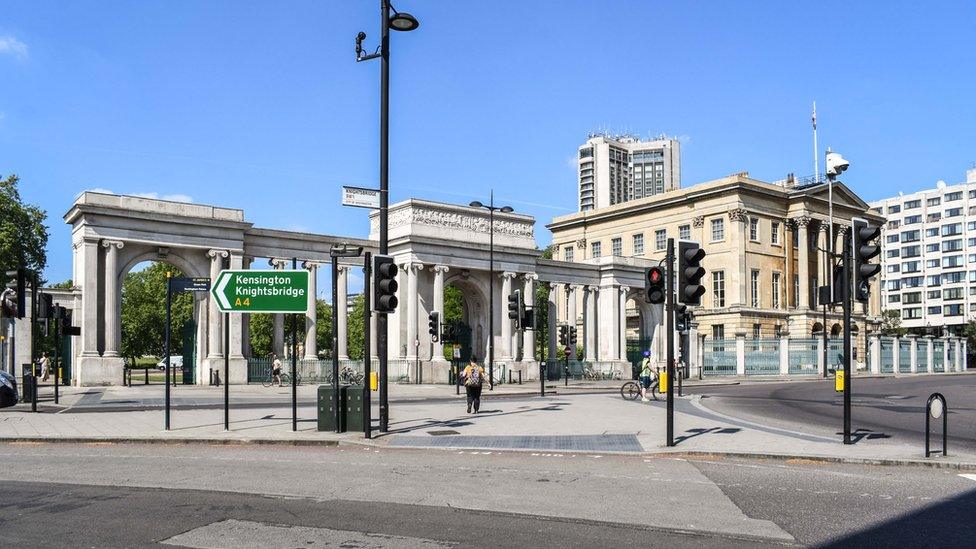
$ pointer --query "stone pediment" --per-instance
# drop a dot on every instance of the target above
(454, 223)
(843, 196)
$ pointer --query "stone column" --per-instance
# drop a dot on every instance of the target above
(589, 320)
(508, 353)
(572, 291)
(112, 303)
(963, 366)
(735, 280)
(214, 318)
(740, 353)
(895, 355)
(784, 355)
(528, 346)
(913, 352)
(554, 293)
(245, 319)
(693, 359)
(875, 366)
(622, 324)
(803, 262)
(342, 312)
(236, 319)
(277, 319)
(412, 305)
(928, 347)
(960, 358)
(946, 367)
(89, 298)
(439, 271)
(312, 316)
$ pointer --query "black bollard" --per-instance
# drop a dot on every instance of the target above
(520, 377)
(943, 412)
(542, 379)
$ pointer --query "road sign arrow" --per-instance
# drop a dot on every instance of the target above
(219, 291)
(261, 291)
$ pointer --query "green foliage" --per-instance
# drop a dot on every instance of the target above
(970, 333)
(891, 323)
(262, 325)
(66, 285)
(23, 236)
(354, 329)
(144, 312)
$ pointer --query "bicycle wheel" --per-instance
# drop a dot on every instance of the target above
(630, 390)
(653, 389)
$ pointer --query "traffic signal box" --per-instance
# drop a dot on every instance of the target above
(384, 284)
(516, 309)
(690, 272)
(434, 326)
(654, 291)
(865, 250)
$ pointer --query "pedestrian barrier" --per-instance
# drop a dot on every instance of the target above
(936, 408)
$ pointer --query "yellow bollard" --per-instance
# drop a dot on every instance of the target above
(839, 381)
(373, 381)
(662, 384)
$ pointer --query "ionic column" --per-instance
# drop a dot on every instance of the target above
(803, 263)
(528, 345)
(589, 308)
(312, 316)
(215, 343)
(89, 298)
(439, 271)
(412, 306)
(278, 319)
(552, 320)
(343, 312)
(572, 290)
(736, 283)
(507, 351)
(112, 303)
(622, 349)
(236, 319)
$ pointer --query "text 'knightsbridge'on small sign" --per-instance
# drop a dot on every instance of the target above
(264, 291)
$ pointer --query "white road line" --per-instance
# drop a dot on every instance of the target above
(968, 475)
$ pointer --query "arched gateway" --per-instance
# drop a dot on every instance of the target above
(433, 243)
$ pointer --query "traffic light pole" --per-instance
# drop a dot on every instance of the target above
(669, 333)
(847, 260)
(169, 306)
(335, 340)
(367, 357)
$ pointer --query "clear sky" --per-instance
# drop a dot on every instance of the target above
(260, 105)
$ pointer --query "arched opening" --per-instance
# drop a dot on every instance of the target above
(641, 326)
(466, 320)
(142, 319)
(817, 329)
(835, 330)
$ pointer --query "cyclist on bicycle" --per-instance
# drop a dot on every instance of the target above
(645, 375)
(276, 371)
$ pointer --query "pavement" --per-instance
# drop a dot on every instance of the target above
(586, 418)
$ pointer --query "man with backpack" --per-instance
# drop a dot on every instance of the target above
(474, 378)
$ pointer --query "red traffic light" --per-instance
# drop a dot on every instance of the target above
(654, 275)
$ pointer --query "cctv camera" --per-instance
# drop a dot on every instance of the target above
(836, 164)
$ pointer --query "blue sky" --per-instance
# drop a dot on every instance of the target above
(260, 105)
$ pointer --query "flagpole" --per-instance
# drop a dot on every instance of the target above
(816, 154)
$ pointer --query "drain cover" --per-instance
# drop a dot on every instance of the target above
(444, 432)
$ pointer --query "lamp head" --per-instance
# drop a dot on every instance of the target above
(403, 22)
(476, 204)
(507, 209)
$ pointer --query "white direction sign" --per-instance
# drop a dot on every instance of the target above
(361, 197)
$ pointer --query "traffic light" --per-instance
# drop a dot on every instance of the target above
(516, 309)
(680, 317)
(434, 323)
(572, 335)
(45, 306)
(864, 250)
(564, 336)
(19, 306)
(654, 285)
(450, 332)
(384, 284)
(690, 272)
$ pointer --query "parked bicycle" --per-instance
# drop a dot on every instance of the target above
(347, 376)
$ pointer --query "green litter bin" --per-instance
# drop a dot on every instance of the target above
(326, 408)
(354, 407)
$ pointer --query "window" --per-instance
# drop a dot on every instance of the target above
(911, 313)
(776, 277)
(952, 261)
(934, 231)
(718, 229)
(952, 229)
(912, 219)
(778, 330)
(972, 258)
(774, 232)
(912, 204)
(756, 331)
(894, 224)
(911, 251)
(932, 263)
(596, 248)
(911, 236)
(892, 238)
(912, 298)
(953, 310)
(616, 246)
(971, 242)
(933, 217)
(661, 239)
(754, 287)
(935, 310)
(934, 294)
(639, 244)
(894, 298)
(795, 236)
(952, 197)
(953, 212)
(568, 253)
(952, 245)
(931, 248)
(684, 232)
(894, 253)
(911, 282)
(718, 332)
(896, 268)
(952, 278)
(933, 202)
(718, 288)
(933, 280)
(952, 294)
(893, 209)
(894, 285)
(754, 229)
(910, 267)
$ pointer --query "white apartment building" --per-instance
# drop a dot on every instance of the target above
(618, 169)
(928, 251)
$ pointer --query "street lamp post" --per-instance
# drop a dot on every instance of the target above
(491, 279)
(399, 22)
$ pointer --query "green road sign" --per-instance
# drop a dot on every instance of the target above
(261, 291)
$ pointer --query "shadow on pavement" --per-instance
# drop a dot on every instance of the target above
(860, 434)
(709, 431)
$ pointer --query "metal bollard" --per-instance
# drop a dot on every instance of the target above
(146, 370)
(935, 412)
(566, 375)
(520, 377)
(542, 379)
(457, 380)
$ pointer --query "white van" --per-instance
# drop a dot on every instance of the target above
(175, 362)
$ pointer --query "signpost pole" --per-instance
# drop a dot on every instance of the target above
(669, 333)
(294, 362)
(169, 304)
(846, 286)
(367, 358)
(335, 340)
(226, 371)
(55, 361)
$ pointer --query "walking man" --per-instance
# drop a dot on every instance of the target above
(45, 366)
(474, 378)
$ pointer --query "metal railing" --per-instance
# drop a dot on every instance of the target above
(923, 357)
(803, 357)
(904, 356)
(762, 357)
(719, 357)
(887, 355)
(938, 356)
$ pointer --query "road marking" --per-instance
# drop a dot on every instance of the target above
(968, 475)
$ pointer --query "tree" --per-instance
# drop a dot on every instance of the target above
(970, 332)
(144, 312)
(891, 323)
(66, 285)
(354, 329)
(262, 326)
(541, 333)
(23, 236)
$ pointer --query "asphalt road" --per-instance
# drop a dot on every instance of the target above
(107, 495)
(881, 407)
